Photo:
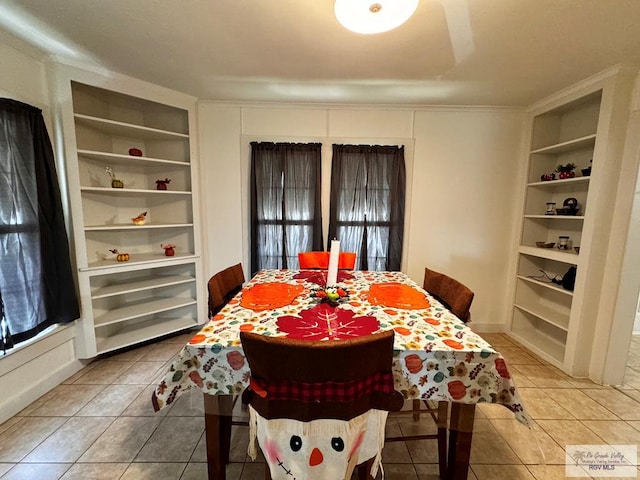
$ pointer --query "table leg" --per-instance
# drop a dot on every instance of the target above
(460, 433)
(217, 424)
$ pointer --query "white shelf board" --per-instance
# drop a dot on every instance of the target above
(565, 256)
(137, 260)
(561, 182)
(128, 130)
(557, 217)
(129, 191)
(132, 226)
(543, 345)
(140, 309)
(157, 281)
(575, 144)
(547, 315)
(551, 286)
(132, 334)
(108, 157)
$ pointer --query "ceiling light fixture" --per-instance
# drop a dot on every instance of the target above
(373, 16)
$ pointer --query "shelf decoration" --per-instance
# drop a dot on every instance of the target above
(564, 242)
(570, 206)
(135, 152)
(566, 170)
(115, 183)
(140, 219)
(162, 184)
(547, 177)
(169, 249)
(551, 208)
(120, 256)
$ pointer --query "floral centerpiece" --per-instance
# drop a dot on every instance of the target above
(566, 170)
(330, 295)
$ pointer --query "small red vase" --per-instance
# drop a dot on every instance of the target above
(169, 252)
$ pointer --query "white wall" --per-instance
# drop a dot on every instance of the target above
(465, 185)
(462, 171)
(32, 370)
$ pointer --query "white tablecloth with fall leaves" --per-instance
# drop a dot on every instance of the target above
(437, 357)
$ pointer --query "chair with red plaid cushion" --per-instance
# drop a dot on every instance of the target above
(318, 409)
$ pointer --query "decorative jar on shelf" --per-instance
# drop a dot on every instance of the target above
(551, 208)
(115, 183)
(162, 184)
(564, 242)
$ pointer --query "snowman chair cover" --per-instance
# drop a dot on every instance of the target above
(319, 408)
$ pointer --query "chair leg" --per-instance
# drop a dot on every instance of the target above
(443, 411)
(416, 410)
(442, 452)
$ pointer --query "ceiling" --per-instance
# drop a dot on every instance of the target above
(451, 52)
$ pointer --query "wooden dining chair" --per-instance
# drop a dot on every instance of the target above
(457, 298)
(320, 260)
(294, 382)
(223, 286)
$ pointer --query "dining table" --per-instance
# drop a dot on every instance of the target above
(437, 357)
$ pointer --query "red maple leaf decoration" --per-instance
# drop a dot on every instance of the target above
(320, 277)
(323, 322)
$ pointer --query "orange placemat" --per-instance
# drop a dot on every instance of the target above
(270, 295)
(397, 295)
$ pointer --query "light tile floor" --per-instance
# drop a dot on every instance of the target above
(99, 425)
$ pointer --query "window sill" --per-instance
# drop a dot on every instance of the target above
(26, 351)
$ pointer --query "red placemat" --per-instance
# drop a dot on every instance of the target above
(270, 295)
(397, 295)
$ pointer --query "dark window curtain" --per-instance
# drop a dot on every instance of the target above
(36, 281)
(286, 214)
(367, 203)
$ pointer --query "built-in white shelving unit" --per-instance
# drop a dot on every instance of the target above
(572, 127)
(151, 294)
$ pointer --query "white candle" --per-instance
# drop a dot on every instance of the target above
(334, 255)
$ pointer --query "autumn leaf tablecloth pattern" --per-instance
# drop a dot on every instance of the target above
(437, 356)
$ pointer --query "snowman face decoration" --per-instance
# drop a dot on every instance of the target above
(319, 456)
(322, 449)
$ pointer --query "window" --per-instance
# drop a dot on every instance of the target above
(286, 213)
(367, 203)
(36, 283)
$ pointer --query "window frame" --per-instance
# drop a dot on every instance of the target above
(327, 158)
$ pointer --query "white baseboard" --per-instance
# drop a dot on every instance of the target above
(486, 327)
